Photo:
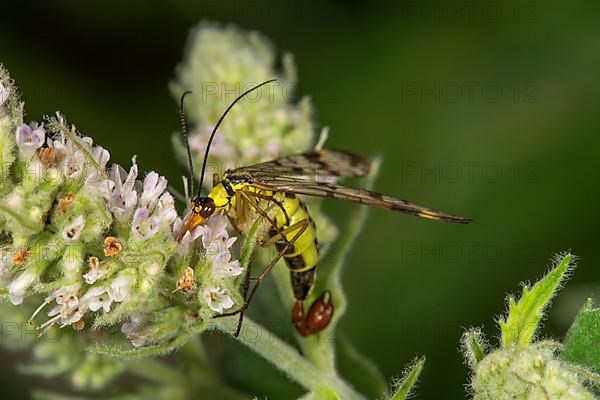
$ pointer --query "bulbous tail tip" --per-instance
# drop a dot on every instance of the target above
(318, 317)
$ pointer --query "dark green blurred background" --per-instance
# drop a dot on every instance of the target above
(486, 109)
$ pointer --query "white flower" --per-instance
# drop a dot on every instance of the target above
(222, 266)
(154, 185)
(67, 309)
(120, 287)
(132, 329)
(214, 230)
(18, 287)
(66, 296)
(165, 209)
(217, 299)
(3, 94)
(100, 155)
(69, 316)
(30, 137)
(94, 181)
(73, 159)
(122, 196)
(72, 231)
(95, 271)
(96, 298)
(144, 226)
(92, 276)
(220, 245)
(134, 323)
(77, 165)
(156, 209)
(216, 242)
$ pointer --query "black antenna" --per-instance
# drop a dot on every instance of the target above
(184, 132)
(212, 135)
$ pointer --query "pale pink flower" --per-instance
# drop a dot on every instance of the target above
(30, 137)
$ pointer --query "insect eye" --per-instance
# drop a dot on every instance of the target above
(208, 207)
(196, 206)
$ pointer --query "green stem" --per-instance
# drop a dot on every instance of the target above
(205, 376)
(193, 353)
(287, 359)
(156, 371)
(163, 374)
(346, 242)
(320, 349)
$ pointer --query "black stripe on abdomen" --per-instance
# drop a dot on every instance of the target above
(302, 282)
(295, 262)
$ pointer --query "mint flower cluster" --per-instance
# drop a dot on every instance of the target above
(97, 246)
(96, 250)
(219, 65)
(533, 372)
(73, 229)
(522, 368)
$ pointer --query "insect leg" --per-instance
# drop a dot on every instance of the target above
(274, 200)
(244, 294)
(300, 227)
(263, 214)
(239, 209)
(242, 195)
(281, 234)
(259, 210)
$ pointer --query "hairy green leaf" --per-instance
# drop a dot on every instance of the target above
(288, 360)
(474, 346)
(581, 344)
(404, 386)
(524, 315)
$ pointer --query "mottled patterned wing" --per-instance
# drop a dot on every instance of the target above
(316, 164)
(361, 196)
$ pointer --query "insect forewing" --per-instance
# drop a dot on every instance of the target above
(316, 164)
(361, 196)
(315, 174)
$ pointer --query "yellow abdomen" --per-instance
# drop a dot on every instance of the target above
(304, 254)
(302, 257)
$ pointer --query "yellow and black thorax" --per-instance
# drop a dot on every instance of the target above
(287, 210)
